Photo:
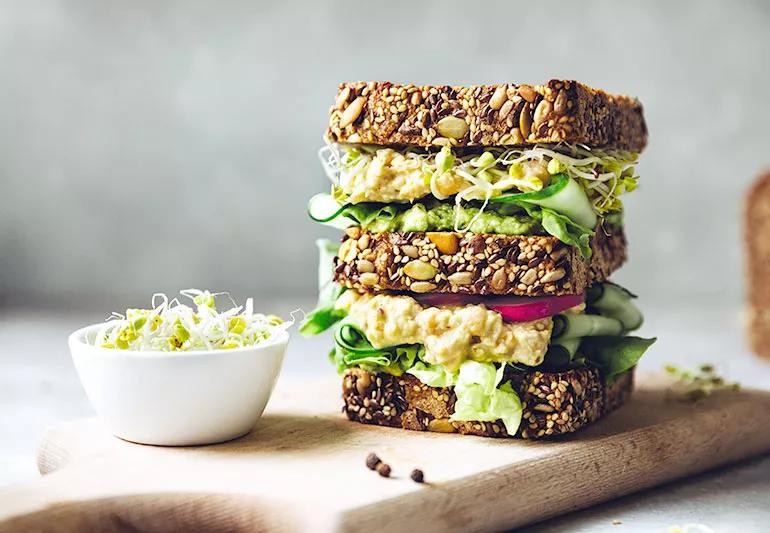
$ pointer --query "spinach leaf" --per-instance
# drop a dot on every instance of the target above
(567, 231)
(614, 355)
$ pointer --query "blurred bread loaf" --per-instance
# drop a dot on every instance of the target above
(757, 239)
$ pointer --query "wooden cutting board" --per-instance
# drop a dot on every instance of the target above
(303, 469)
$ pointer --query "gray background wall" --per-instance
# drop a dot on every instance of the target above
(153, 146)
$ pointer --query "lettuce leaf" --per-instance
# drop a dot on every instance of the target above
(366, 213)
(433, 375)
(480, 396)
(614, 355)
(324, 315)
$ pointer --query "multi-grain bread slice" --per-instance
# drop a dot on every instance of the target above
(757, 243)
(467, 263)
(384, 113)
(554, 403)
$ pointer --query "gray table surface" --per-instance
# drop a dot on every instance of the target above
(39, 387)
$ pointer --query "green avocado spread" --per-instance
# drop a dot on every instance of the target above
(441, 217)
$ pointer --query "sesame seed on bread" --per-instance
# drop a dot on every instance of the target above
(385, 113)
(467, 263)
(553, 403)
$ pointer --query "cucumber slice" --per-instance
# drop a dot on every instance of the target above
(350, 338)
(564, 196)
(561, 355)
(572, 202)
(568, 345)
(569, 326)
(324, 209)
(615, 302)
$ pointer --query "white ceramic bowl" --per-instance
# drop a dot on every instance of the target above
(178, 398)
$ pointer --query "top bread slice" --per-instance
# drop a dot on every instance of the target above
(385, 113)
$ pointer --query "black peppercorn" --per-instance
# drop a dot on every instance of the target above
(372, 461)
(383, 470)
(417, 476)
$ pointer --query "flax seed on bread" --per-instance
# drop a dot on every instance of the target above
(385, 113)
(404, 402)
(466, 263)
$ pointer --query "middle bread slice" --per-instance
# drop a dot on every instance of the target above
(484, 264)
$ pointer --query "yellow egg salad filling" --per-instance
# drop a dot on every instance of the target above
(376, 174)
(450, 335)
(395, 177)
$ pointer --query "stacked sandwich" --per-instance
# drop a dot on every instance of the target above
(470, 291)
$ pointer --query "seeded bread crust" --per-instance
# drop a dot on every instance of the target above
(384, 113)
(553, 403)
(467, 263)
(757, 242)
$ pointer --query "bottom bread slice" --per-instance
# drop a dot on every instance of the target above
(553, 403)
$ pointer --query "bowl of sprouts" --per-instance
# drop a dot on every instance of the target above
(178, 374)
